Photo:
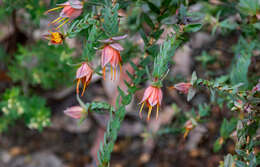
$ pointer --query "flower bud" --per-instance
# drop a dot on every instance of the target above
(183, 87)
(75, 112)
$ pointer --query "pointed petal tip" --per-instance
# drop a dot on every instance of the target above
(119, 37)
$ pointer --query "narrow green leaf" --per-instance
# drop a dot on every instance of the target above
(228, 161)
(147, 19)
(191, 94)
(143, 35)
(192, 27)
(153, 7)
(193, 78)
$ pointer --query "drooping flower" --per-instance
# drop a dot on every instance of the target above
(188, 127)
(182, 87)
(83, 75)
(152, 96)
(75, 112)
(111, 54)
(55, 38)
(70, 10)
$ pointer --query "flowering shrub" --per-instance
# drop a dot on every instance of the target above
(163, 26)
(31, 109)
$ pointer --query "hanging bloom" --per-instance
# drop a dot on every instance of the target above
(75, 112)
(71, 10)
(182, 87)
(55, 38)
(83, 75)
(111, 54)
(188, 127)
(152, 96)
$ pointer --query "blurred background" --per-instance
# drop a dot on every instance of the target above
(37, 85)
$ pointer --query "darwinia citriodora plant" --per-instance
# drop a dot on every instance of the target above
(101, 23)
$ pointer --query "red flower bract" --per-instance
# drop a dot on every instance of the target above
(83, 75)
(152, 96)
(71, 10)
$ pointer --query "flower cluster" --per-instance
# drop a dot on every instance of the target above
(110, 56)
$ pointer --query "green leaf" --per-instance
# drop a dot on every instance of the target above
(193, 78)
(127, 99)
(227, 127)
(240, 164)
(241, 153)
(110, 16)
(153, 7)
(218, 144)
(192, 27)
(89, 50)
(147, 19)
(96, 2)
(240, 70)
(257, 25)
(204, 110)
(143, 35)
(157, 34)
(228, 24)
(228, 161)
(191, 94)
(252, 159)
(249, 7)
(243, 50)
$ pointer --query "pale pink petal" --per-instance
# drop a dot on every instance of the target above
(113, 60)
(116, 59)
(116, 46)
(75, 14)
(70, 12)
(153, 99)
(83, 71)
(160, 96)
(65, 11)
(119, 37)
(76, 4)
(106, 55)
(106, 40)
(147, 93)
